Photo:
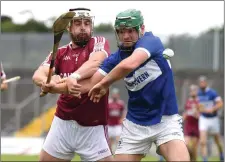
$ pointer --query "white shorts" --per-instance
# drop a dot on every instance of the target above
(137, 139)
(211, 125)
(67, 137)
(114, 131)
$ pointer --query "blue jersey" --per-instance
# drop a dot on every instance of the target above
(208, 98)
(150, 86)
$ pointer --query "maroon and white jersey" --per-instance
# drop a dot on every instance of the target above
(191, 122)
(191, 109)
(83, 110)
(3, 76)
(116, 109)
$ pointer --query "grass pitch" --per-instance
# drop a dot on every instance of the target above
(76, 158)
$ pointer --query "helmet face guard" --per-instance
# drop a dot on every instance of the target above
(82, 14)
(128, 19)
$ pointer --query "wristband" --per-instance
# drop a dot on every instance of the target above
(75, 76)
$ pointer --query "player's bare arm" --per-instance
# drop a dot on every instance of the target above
(121, 70)
(61, 87)
(85, 71)
(40, 77)
(87, 84)
(219, 105)
(83, 86)
(125, 67)
(91, 66)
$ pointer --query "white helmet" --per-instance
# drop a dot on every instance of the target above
(83, 13)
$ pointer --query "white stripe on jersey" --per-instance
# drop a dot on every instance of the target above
(141, 77)
(99, 45)
(102, 72)
(145, 50)
(149, 54)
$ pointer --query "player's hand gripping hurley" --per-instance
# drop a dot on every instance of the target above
(59, 27)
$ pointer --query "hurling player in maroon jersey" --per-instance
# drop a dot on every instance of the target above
(79, 125)
(191, 115)
(117, 112)
(4, 86)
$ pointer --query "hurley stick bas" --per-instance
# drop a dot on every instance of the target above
(59, 27)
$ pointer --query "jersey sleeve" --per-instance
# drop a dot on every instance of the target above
(109, 63)
(151, 45)
(47, 61)
(99, 44)
(3, 75)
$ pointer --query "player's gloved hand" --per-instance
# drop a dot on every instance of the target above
(73, 87)
(97, 92)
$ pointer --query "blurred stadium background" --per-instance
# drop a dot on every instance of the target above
(26, 118)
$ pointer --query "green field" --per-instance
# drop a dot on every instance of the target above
(35, 158)
(76, 158)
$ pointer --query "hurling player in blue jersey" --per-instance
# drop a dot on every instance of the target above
(209, 121)
(152, 115)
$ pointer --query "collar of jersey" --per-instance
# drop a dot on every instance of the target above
(206, 90)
